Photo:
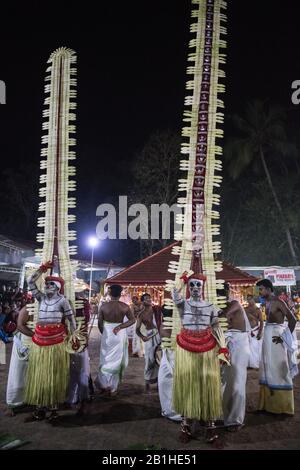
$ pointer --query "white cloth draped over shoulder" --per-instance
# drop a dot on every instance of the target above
(113, 357)
(290, 341)
(165, 385)
(17, 371)
(255, 348)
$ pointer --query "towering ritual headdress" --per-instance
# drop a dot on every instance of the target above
(203, 113)
(58, 141)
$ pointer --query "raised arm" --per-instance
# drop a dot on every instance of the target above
(35, 276)
(176, 292)
(177, 296)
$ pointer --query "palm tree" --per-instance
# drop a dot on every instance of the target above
(261, 135)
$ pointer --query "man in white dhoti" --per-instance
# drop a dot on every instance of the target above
(254, 315)
(114, 342)
(79, 380)
(234, 377)
(166, 374)
(137, 345)
(79, 389)
(278, 362)
(146, 329)
(19, 362)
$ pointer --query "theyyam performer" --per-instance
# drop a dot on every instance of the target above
(197, 336)
(200, 347)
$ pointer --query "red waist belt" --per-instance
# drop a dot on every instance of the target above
(196, 341)
(47, 335)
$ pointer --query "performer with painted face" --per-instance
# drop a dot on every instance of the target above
(48, 369)
(197, 390)
(197, 382)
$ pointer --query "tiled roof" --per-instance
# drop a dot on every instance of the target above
(153, 270)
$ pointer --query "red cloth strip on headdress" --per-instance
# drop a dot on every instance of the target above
(57, 279)
(186, 279)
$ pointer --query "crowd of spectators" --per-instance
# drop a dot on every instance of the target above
(12, 299)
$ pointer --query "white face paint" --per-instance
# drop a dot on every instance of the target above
(51, 287)
(195, 288)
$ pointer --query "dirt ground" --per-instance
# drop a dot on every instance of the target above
(133, 419)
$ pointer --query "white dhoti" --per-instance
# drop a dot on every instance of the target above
(137, 345)
(151, 366)
(276, 371)
(79, 377)
(255, 348)
(130, 330)
(113, 357)
(293, 355)
(291, 343)
(17, 372)
(234, 377)
(165, 385)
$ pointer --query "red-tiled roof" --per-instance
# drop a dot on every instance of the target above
(153, 270)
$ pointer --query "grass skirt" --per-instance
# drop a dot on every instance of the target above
(48, 375)
(197, 384)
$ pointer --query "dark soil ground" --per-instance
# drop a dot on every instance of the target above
(132, 419)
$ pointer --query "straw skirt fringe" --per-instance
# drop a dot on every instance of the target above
(197, 385)
(48, 375)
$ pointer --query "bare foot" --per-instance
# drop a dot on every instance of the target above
(53, 417)
(10, 412)
(37, 415)
(218, 443)
(211, 437)
(185, 434)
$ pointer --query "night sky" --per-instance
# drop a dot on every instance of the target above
(131, 79)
